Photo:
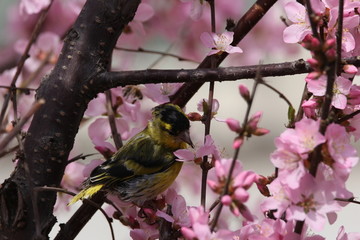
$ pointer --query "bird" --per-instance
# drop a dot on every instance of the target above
(145, 166)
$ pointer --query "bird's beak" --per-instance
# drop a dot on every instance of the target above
(185, 136)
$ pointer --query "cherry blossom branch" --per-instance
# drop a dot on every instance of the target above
(258, 80)
(332, 67)
(108, 80)
(205, 166)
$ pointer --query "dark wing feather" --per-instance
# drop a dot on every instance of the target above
(140, 155)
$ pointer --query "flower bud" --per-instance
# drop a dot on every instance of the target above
(313, 62)
(349, 68)
(261, 132)
(237, 143)
(226, 200)
(194, 116)
(244, 92)
(233, 124)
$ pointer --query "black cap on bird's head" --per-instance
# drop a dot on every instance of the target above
(173, 120)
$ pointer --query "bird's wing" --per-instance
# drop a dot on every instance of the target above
(141, 155)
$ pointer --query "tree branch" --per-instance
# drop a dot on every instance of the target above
(67, 90)
(243, 27)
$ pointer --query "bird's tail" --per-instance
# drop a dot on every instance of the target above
(86, 193)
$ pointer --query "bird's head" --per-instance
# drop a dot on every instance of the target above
(172, 126)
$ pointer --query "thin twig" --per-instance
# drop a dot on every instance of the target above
(339, 33)
(305, 96)
(347, 117)
(22, 122)
(166, 54)
(24, 89)
(80, 156)
(205, 166)
(312, 19)
(39, 69)
(281, 95)
(111, 116)
(350, 200)
(161, 57)
(258, 80)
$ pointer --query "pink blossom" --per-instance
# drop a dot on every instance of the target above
(253, 121)
(355, 123)
(349, 68)
(312, 201)
(342, 152)
(267, 229)
(200, 229)
(33, 6)
(135, 36)
(196, 8)
(341, 89)
(222, 168)
(207, 149)
(71, 181)
(99, 131)
(203, 104)
(160, 93)
(297, 14)
(310, 106)
(47, 43)
(342, 235)
(284, 157)
(180, 213)
(240, 183)
(354, 95)
(293, 147)
(305, 137)
(219, 43)
(317, 86)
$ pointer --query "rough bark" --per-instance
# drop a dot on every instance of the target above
(24, 212)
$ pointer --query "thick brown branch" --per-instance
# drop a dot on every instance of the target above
(109, 80)
(86, 52)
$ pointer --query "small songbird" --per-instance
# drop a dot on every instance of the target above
(145, 166)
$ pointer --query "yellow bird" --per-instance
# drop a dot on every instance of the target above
(145, 166)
